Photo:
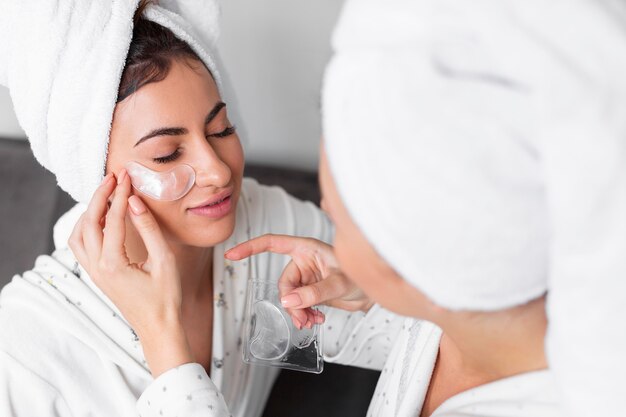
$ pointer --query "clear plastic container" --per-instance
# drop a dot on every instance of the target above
(270, 337)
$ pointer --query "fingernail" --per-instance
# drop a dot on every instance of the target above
(291, 300)
(121, 176)
(297, 323)
(136, 205)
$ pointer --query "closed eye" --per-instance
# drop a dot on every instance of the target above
(169, 158)
(226, 132)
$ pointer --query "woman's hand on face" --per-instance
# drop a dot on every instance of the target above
(147, 294)
(312, 277)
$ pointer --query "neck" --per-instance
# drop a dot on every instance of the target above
(194, 265)
(484, 347)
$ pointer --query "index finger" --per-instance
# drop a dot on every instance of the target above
(113, 243)
(282, 244)
(97, 207)
(96, 210)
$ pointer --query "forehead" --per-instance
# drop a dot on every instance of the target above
(186, 93)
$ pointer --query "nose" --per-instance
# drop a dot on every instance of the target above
(211, 170)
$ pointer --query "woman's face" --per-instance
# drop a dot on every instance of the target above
(180, 120)
(360, 261)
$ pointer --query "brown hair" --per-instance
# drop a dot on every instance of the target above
(150, 55)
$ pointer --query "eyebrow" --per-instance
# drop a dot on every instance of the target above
(176, 131)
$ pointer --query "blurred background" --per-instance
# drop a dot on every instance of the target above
(273, 94)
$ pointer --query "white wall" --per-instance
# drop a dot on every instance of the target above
(274, 52)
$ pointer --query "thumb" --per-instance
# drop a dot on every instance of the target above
(321, 292)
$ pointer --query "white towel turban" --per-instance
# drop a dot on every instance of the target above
(481, 148)
(62, 61)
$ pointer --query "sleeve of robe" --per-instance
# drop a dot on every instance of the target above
(184, 391)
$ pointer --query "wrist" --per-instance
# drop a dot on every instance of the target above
(165, 347)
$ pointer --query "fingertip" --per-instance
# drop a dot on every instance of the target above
(125, 185)
(234, 254)
(300, 318)
(137, 207)
(296, 322)
(318, 317)
(106, 180)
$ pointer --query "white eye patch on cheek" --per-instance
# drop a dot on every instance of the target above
(163, 186)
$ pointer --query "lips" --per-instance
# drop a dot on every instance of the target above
(216, 202)
(217, 206)
(215, 199)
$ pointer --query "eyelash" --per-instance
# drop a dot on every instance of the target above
(174, 155)
(226, 132)
(169, 158)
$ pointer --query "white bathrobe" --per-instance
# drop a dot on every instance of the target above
(65, 349)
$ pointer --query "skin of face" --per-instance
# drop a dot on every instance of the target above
(360, 261)
(182, 100)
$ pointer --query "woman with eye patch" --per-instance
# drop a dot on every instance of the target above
(137, 311)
